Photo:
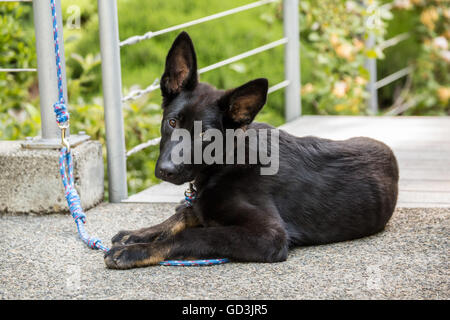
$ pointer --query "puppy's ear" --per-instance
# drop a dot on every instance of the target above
(241, 105)
(181, 67)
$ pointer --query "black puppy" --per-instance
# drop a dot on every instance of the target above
(324, 191)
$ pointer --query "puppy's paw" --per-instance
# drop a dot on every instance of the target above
(121, 237)
(132, 256)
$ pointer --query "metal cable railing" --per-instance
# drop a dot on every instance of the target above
(112, 85)
(155, 141)
(155, 85)
(392, 77)
(142, 146)
(18, 69)
(151, 34)
(375, 84)
(394, 40)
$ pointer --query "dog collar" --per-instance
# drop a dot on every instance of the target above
(190, 194)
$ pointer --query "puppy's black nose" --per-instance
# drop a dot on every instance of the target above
(167, 170)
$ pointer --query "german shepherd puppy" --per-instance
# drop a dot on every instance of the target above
(324, 191)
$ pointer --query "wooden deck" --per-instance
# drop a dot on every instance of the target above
(421, 144)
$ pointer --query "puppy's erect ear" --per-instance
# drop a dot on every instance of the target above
(181, 67)
(241, 105)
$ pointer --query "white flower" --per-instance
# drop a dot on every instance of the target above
(441, 43)
(350, 6)
(340, 89)
(446, 55)
(403, 4)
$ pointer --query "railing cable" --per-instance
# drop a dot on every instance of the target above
(394, 40)
(155, 141)
(151, 34)
(392, 77)
(155, 85)
(18, 69)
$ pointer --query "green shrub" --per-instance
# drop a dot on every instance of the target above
(18, 115)
(426, 91)
(430, 86)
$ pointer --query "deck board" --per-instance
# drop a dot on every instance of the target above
(421, 144)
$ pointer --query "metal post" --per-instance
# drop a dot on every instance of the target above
(46, 66)
(112, 97)
(292, 59)
(48, 83)
(371, 65)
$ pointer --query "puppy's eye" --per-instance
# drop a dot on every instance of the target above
(173, 123)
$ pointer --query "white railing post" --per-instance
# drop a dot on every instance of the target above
(46, 66)
(371, 66)
(112, 98)
(292, 59)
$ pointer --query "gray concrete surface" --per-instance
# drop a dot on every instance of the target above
(30, 181)
(42, 258)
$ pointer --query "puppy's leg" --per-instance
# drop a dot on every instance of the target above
(234, 242)
(183, 218)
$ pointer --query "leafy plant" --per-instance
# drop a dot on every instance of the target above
(333, 35)
(430, 84)
(18, 115)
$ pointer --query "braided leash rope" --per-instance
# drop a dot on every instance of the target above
(73, 200)
(65, 158)
(193, 263)
(66, 169)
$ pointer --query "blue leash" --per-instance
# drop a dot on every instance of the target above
(65, 158)
(66, 169)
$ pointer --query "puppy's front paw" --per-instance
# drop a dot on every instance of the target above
(121, 237)
(123, 257)
(124, 237)
(132, 256)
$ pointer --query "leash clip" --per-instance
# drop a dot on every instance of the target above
(64, 141)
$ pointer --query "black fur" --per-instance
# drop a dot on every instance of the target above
(325, 191)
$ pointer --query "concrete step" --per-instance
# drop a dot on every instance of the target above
(161, 193)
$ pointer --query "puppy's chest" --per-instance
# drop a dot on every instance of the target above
(211, 212)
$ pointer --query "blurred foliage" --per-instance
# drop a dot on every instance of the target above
(429, 92)
(334, 37)
(333, 50)
(19, 116)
